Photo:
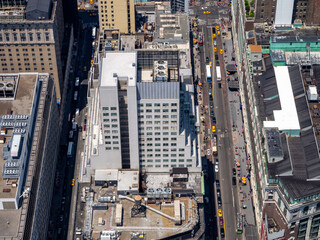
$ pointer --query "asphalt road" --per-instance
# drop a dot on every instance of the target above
(230, 200)
(67, 167)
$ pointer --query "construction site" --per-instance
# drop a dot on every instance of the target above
(116, 207)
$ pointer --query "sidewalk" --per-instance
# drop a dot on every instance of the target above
(244, 191)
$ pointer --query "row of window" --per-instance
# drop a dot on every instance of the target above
(157, 110)
(157, 139)
(165, 160)
(163, 155)
(107, 114)
(109, 131)
(107, 108)
(173, 128)
(108, 120)
(112, 125)
(157, 144)
(157, 116)
(158, 133)
(165, 165)
(157, 122)
(26, 69)
(25, 37)
(112, 148)
(157, 104)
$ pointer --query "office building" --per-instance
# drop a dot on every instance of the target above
(29, 119)
(117, 14)
(31, 36)
(288, 11)
(147, 117)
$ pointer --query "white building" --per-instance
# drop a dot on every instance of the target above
(147, 125)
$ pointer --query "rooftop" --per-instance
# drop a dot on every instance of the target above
(118, 65)
(255, 48)
(284, 12)
(171, 27)
(301, 162)
(158, 90)
(286, 118)
(288, 39)
(21, 105)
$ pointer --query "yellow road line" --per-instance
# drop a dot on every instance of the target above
(224, 226)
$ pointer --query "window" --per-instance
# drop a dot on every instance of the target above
(148, 105)
(113, 114)
(114, 131)
(173, 104)
(181, 160)
(114, 125)
(157, 104)
(165, 104)
(113, 108)
(165, 110)
(105, 114)
(105, 108)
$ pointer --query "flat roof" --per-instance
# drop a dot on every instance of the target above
(284, 12)
(21, 105)
(106, 175)
(128, 180)
(255, 48)
(286, 39)
(171, 27)
(287, 117)
(118, 65)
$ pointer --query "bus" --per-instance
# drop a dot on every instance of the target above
(218, 73)
(70, 150)
(94, 29)
(239, 229)
(208, 69)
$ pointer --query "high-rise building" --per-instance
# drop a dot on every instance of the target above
(117, 14)
(146, 123)
(31, 35)
(301, 10)
(29, 119)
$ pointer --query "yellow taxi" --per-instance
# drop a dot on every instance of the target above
(221, 51)
(72, 182)
(214, 129)
(214, 35)
(217, 28)
(244, 180)
(215, 49)
(218, 32)
(206, 12)
(219, 212)
(210, 63)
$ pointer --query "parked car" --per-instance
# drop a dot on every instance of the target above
(218, 183)
(219, 212)
(216, 168)
(219, 201)
(222, 232)
(77, 82)
(234, 181)
(221, 221)
(218, 193)
(234, 171)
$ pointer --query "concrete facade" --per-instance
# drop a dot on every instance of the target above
(117, 14)
(33, 188)
(33, 45)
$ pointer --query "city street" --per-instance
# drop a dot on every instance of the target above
(228, 128)
(63, 198)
